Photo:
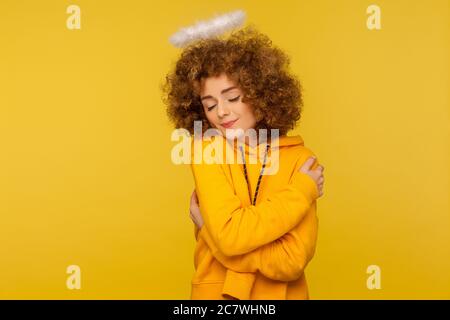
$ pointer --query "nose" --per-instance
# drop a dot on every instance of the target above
(222, 109)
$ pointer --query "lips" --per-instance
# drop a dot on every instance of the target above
(228, 124)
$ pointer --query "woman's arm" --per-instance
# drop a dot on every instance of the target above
(283, 259)
(238, 230)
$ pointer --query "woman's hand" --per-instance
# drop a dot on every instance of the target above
(316, 174)
(194, 210)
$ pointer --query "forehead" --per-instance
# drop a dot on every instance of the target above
(214, 85)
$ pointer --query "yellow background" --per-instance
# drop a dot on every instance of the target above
(85, 170)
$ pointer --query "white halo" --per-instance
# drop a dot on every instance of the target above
(207, 29)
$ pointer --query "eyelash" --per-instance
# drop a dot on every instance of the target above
(231, 100)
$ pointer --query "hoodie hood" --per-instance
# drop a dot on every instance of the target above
(285, 141)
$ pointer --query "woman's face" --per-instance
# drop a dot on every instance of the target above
(222, 102)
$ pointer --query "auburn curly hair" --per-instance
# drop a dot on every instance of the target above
(253, 63)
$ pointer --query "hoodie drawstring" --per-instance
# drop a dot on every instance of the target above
(260, 174)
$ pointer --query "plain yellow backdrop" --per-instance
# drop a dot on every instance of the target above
(85, 171)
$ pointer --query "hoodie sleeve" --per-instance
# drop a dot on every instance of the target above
(237, 230)
(283, 259)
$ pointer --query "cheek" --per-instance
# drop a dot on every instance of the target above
(247, 113)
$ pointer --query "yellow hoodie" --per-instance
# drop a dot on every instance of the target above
(259, 251)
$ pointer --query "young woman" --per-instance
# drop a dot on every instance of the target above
(255, 233)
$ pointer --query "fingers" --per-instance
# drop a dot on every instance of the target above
(320, 186)
(319, 171)
(308, 163)
(321, 179)
(194, 197)
(193, 217)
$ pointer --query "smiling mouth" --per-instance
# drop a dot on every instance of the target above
(228, 124)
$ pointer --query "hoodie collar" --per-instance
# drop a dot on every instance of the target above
(283, 141)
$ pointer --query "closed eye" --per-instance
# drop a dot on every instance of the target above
(231, 100)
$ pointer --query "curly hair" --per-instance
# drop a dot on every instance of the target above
(256, 66)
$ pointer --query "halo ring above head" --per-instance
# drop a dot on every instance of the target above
(208, 29)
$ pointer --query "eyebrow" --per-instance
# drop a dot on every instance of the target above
(223, 91)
